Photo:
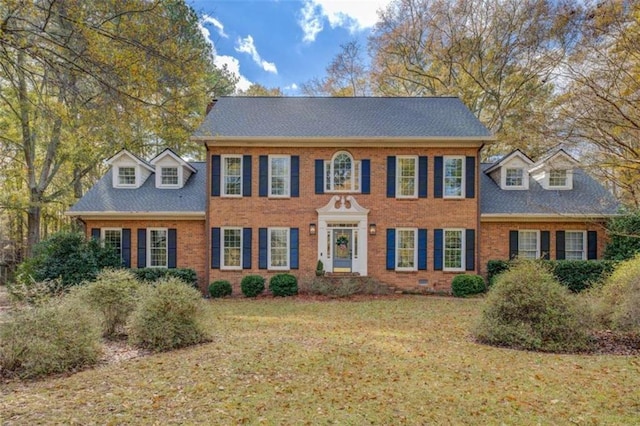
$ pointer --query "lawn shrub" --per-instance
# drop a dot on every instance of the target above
(618, 304)
(331, 287)
(114, 295)
(467, 285)
(252, 285)
(35, 292)
(56, 337)
(283, 285)
(220, 288)
(168, 316)
(495, 268)
(187, 275)
(623, 243)
(527, 308)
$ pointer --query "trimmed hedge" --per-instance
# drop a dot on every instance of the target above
(154, 274)
(220, 288)
(467, 285)
(283, 285)
(252, 285)
(576, 275)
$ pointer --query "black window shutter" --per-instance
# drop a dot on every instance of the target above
(470, 178)
(437, 177)
(391, 177)
(95, 233)
(295, 175)
(126, 248)
(560, 255)
(423, 168)
(470, 248)
(246, 248)
(545, 244)
(437, 249)
(592, 245)
(365, 171)
(319, 176)
(263, 170)
(246, 176)
(293, 248)
(513, 244)
(422, 249)
(172, 248)
(142, 248)
(262, 248)
(215, 248)
(391, 248)
(215, 175)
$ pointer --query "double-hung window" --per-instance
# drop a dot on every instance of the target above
(406, 177)
(342, 173)
(279, 176)
(575, 245)
(453, 249)
(112, 237)
(514, 177)
(232, 175)
(406, 249)
(126, 176)
(528, 244)
(157, 252)
(169, 176)
(278, 250)
(557, 178)
(231, 248)
(453, 177)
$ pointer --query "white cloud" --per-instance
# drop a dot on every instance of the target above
(355, 15)
(233, 65)
(246, 45)
(206, 19)
(292, 86)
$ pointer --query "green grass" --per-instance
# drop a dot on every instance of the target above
(408, 360)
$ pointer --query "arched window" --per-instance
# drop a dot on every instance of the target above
(342, 173)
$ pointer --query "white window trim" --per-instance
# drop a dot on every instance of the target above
(223, 187)
(567, 181)
(116, 177)
(415, 249)
(222, 249)
(287, 193)
(166, 258)
(584, 242)
(355, 183)
(159, 183)
(444, 176)
(463, 249)
(525, 178)
(103, 231)
(537, 231)
(288, 239)
(415, 177)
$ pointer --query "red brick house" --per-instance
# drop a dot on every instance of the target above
(390, 188)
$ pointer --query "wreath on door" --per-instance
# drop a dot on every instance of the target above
(342, 240)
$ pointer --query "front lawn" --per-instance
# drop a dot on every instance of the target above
(407, 360)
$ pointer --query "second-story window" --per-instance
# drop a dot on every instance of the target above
(169, 176)
(514, 177)
(453, 177)
(342, 173)
(126, 176)
(232, 175)
(406, 177)
(557, 178)
(279, 175)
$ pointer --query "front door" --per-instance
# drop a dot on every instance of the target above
(342, 248)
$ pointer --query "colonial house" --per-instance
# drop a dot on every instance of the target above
(390, 188)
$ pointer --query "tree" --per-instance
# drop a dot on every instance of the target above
(499, 56)
(258, 90)
(79, 79)
(346, 75)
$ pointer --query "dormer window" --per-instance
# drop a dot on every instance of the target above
(557, 178)
(126, 176)
(514, 177)
(171, 171)
(169, 176)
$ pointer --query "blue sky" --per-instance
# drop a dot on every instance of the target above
(283, 43)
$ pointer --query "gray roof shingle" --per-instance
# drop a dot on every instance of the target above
(588, 197)
(104, 198)
(305, 117)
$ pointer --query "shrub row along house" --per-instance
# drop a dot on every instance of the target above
(390, 188)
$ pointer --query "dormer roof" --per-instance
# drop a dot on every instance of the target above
(169, 153)
(557, 158)
(124, 153)
(504, 160)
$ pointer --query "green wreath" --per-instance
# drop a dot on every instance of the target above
(342, 240)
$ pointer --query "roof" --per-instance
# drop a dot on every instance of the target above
(349, 117)
(506, 158)
(588, 197)
(103, 198)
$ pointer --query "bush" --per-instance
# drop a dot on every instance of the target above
(283, 285)
(56, 337)
(68, 257)
(252, 285)
(332, 287)
(466, 285)
(495, 268)
(220, 288)
(618, 304)
(528, 309)
(168, 316)
(35, 292)
(114, 295)
(623, 243)
(154, 274)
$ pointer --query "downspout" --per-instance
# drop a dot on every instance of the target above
(478, 239)
(207, 221)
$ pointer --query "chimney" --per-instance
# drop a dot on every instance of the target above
(210, 105)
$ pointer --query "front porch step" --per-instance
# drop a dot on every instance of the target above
(341, 274)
